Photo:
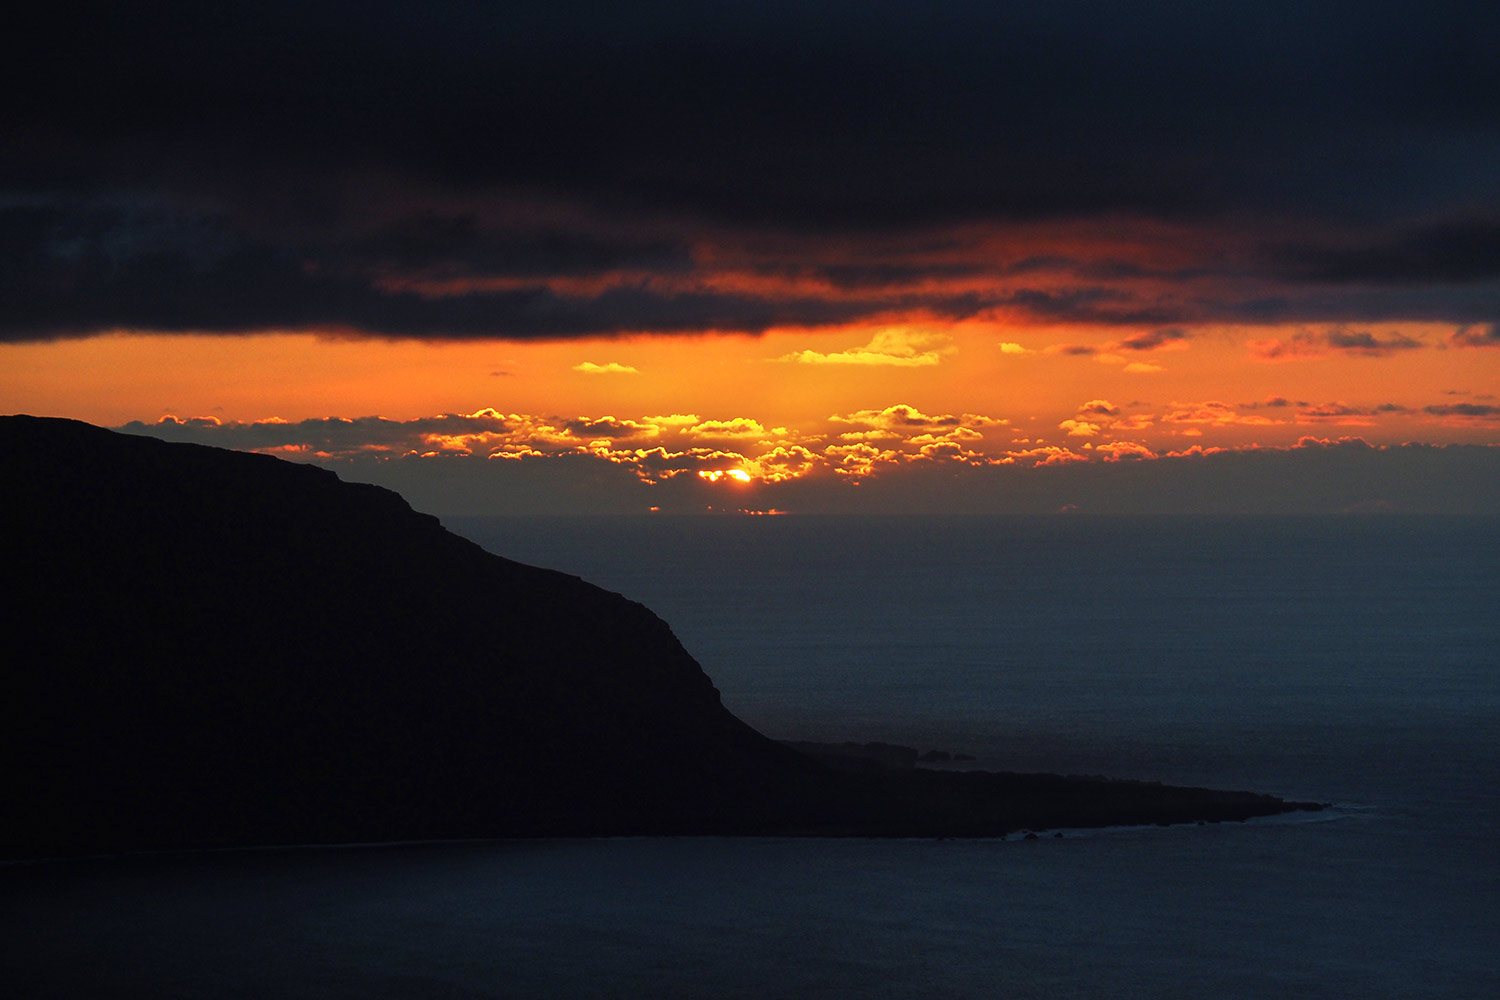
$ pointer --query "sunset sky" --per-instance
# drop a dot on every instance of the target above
(586, 256)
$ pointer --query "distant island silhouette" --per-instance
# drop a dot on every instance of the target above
(208, 648)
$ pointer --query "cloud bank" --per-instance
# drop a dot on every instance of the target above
(582, 169)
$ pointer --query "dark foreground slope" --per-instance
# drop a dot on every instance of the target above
(213, 648)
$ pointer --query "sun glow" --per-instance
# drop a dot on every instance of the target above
(714, 475)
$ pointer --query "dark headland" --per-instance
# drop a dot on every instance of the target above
(209, 648)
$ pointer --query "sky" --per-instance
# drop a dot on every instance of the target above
(616, 257)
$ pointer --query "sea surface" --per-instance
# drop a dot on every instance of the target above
(1351, 660)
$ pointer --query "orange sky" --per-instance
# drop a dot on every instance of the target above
(853, 400)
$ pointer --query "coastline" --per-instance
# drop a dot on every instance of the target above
(336, 726)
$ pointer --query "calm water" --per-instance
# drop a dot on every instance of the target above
(1355, 661)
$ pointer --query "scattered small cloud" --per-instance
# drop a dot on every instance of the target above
(1102, 418)
(1047, 455)
(1465, 412)
(1479, 335)
(1211, 412)
(674, 420)
(1349, 414)
(611, 368)
(1302, 344)
(1341, 412)
(1311, 344)
(1166, 339)
(905, 416)
(1349, 443)
(609, 427)
(1124, 451)
(1368, 344)
(738, 427)
(898, 348)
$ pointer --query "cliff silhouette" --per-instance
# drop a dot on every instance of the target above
(212, 648)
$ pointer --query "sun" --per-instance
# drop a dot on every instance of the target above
(714, 475)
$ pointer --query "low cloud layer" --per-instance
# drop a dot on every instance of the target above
(1317, 474)
(657, 461)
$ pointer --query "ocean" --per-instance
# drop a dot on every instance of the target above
(1350, 660)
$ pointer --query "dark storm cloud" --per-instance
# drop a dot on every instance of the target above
(1459, 252)
(1469, 305)
(875, 275)
(458, 245)
(279, 128)
(857, 276)
(1105, 306)
(804, 112)
(69, 272)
